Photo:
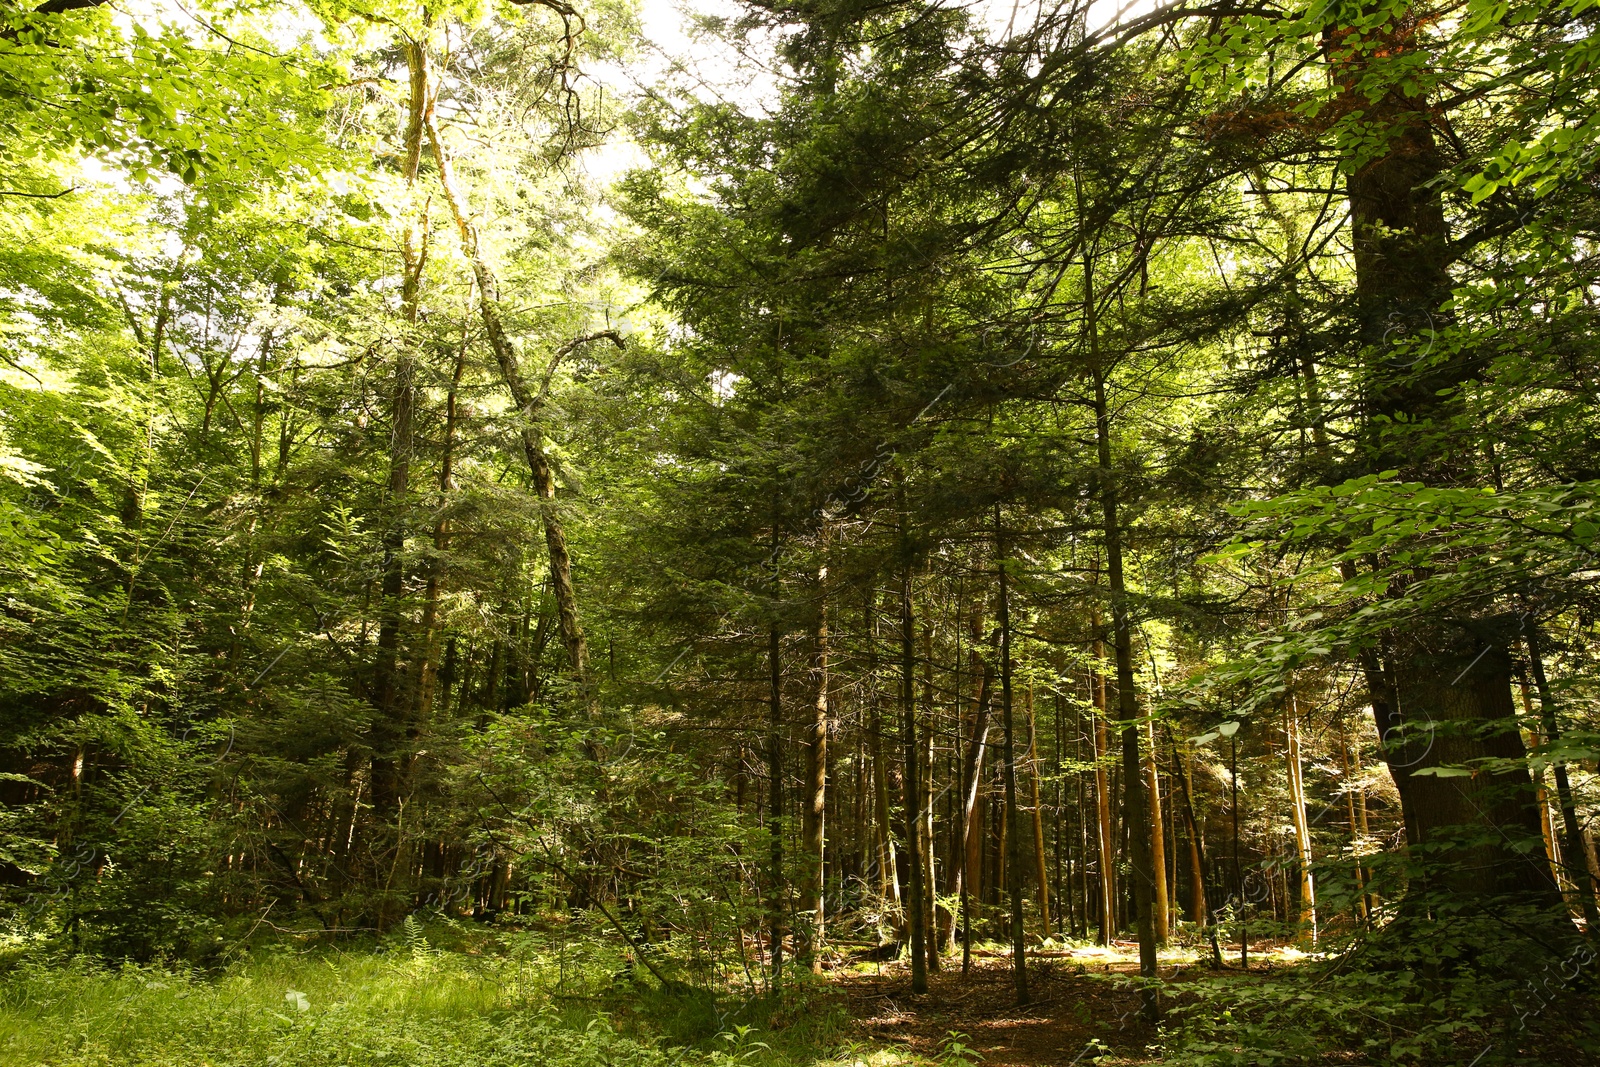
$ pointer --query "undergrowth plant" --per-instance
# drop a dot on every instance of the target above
(428, 996)
(1430, 990)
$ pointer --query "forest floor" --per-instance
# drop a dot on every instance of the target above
(458, 996)
(1082, 1005)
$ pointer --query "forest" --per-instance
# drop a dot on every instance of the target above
(799, 533)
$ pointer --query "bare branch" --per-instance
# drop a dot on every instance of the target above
(38, 196)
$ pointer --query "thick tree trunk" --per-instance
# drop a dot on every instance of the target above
(1401, 249)
(1458, 710)
(1453, 685)
(1441, 692)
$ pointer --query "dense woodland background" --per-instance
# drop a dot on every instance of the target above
(969, 487)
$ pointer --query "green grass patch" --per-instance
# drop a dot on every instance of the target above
(406, 1003)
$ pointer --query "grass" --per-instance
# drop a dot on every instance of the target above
(406, 1003)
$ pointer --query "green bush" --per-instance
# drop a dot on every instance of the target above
(1437, 990)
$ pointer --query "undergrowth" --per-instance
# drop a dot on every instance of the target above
(509, 1002)
(1441, 992)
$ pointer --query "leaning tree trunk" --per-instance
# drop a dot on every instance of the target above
(505, 355)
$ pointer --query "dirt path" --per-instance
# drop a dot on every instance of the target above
(1073, 1004)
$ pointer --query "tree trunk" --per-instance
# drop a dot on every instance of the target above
(1161, 897)
(441, 536)
(1199, 906)
(1135, 818)
(1442, 698)
(1458, 709)
(913, 777)
(977, 748)
(888, 864)
(1297, 813)
(883, 818)
(778, 906)
(1576, 847)
(1540, 790)
(861, 819)
(1357, 836)
(1102, 792)
(1041, 863)
(1239, 895)
(390, 705)
(505, 355)
(1013, 859)
(813, 822)
(930, 883)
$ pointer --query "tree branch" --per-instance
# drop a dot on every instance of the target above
(56, 7)
(39, 196)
